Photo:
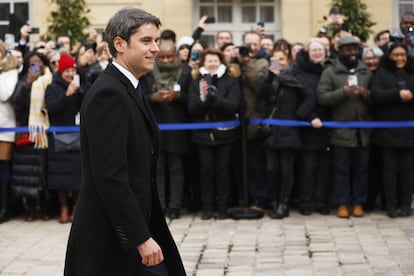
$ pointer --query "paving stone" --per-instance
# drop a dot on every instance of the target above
(298, 245)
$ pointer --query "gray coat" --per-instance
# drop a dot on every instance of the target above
(345, 108)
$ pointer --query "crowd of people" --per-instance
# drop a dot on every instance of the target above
(329, 77)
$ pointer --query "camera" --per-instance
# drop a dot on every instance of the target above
(59, 46)
(244, 50)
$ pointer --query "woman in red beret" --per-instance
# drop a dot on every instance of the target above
(63, 100)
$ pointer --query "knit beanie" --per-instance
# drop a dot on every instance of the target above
(66, 62)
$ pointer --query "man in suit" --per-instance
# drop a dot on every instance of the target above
(119, 228)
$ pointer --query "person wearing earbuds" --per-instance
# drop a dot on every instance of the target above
(63, 102)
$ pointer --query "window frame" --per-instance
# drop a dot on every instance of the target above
(237, 28)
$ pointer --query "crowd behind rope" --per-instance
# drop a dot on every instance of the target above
(329, 77)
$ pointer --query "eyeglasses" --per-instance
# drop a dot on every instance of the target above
(54, 62)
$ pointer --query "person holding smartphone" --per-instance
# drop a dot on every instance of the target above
(285, 98)
(348, 101)
(29, 174)
(63, 104)
(169, 81)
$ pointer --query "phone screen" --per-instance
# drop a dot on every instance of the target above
(352, 80)
(195, 55)
(10, 40)
(35, 68)
(76, 79)
(275, 64)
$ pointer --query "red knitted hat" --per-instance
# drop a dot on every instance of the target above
(66, 62)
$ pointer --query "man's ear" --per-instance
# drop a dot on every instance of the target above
(119, 44)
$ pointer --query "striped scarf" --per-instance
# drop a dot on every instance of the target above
(38, 118)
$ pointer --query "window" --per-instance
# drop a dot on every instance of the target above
(401, 7)
(13, 14)
(238, 16)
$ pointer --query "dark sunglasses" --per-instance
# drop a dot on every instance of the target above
(54, 62)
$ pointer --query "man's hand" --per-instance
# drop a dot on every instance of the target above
(350, 90)
(362, 92)
(150, 252)
(165, 95)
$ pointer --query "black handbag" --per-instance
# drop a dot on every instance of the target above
(65, 142)
(264, 130)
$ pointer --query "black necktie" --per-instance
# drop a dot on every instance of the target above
(139, 91)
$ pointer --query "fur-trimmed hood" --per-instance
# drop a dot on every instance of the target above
(233, 70)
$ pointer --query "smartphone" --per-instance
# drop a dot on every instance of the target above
(352, 80)
(210, 19)
(195, 55)
(261, 24)
(10, 40)
(35, 68)
(164, 86)
(76, 79)
(275, 64)
(35, 30)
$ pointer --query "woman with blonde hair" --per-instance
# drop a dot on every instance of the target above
(8, 80)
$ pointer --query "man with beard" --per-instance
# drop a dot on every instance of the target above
(168, 85)
(343, 87)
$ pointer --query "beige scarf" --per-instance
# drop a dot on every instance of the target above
(38, 118)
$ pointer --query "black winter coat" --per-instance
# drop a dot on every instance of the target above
(63, 167)
(222, 104)
(385, 94)
(286, 94)
(28, 177)
(308, 74)
(118, 206)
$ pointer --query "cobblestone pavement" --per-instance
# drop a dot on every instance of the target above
(298, 245)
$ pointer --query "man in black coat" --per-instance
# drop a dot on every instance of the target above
(119, 228)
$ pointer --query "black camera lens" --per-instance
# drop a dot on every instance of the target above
(244, 50)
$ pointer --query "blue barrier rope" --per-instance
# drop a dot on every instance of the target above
(227, 124)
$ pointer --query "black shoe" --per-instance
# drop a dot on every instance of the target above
(282, 211)
(392, 213)
(174, 213)
(3, 217)
(222, 215)
(207, 215)
(405, 212)
(323, 210)
(305, 211)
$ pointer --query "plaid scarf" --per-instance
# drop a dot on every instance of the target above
(38, 118)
